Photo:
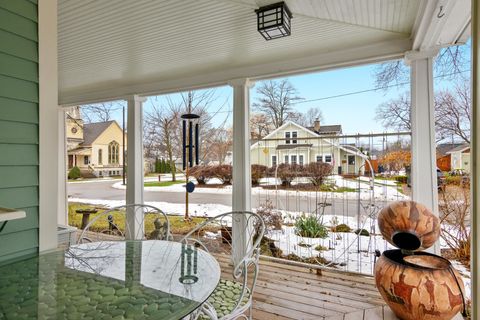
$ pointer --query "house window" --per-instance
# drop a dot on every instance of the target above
(328, 158)
(319, 159)
(286, 159)
(300, 160)
(290, 137)
(274, 161)
(85, 160)
(113, 152)
(100, 160)
(293, 159)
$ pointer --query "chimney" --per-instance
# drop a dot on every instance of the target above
(316, 124)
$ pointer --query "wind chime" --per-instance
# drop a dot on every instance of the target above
(190, 150)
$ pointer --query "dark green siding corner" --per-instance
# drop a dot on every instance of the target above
(19, 125)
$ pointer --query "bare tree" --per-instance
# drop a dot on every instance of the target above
(260, 126)
(450, 62)
(395, 114)
(452, 113)
(220, 143)
(163, 124)
(100, 112)
(308, 118)
(275, 100)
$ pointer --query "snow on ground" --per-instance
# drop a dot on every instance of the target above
(466, 277)
(346, 251)
(380, 192)
(379, 181)
(195, 209)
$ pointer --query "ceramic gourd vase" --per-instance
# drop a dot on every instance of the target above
(416, 285)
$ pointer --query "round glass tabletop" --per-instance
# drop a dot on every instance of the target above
(109, 280)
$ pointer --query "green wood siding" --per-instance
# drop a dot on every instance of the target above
(19, 125)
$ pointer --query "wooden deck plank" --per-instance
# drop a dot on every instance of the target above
(373, 314)
(388, 314)
(357, 315)
(285, 292)
(263, 315)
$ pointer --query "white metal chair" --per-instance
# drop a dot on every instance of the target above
(233, 296)
(111, 225)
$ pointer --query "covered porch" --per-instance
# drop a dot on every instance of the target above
(90, 52)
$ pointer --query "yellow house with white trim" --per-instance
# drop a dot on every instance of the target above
(95, 148)
(292, 143)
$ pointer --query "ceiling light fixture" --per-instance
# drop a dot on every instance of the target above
(273, 21)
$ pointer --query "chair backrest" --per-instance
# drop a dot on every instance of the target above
(215, 236)
(111, 224)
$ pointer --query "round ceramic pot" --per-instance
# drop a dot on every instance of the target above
(419, 286)
(409, 225)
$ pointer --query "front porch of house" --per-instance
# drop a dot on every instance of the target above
(104, 51)
(286, 291)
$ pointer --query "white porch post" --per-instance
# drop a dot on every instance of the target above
(135, 168)
(241, 195)
(475, 156)
(424, 168)
(48, 124)
(62, 209)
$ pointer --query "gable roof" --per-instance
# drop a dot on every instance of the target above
(91, 131)
(460, 148)
(443, 148)
(306, 129)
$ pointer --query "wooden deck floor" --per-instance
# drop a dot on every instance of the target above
(296, 292)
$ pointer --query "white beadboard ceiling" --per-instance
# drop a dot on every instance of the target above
(111, 48)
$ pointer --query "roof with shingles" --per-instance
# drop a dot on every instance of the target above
(460, 148)
(326, 129)
(91, 131)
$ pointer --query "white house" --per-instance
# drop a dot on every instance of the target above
(292, 143)
(460, 157)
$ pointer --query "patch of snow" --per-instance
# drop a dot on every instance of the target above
(196, 209)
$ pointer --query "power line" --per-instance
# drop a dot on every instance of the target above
(374, 89)
(367, 90)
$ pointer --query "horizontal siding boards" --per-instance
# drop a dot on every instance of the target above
(18, 241)
(18, 176)
(18, 132)
(19, 118)
(18, 46)
(17, 256)
(18, 89)
(18, 25)
(23, 197)
(18, 68)
(16, 110)
(18, 154)
(23, 8)
(29, 222)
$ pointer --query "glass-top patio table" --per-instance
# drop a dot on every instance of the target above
(109, 280)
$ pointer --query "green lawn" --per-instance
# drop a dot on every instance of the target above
(177, 224)
(162, 183)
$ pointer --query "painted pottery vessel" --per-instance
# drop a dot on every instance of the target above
(409, 225)
(419, 286)
(416, 285)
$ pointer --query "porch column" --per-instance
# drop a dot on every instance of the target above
(62, 209)
(241, 194)
(474, 168)
(134, 229)
(424, 168)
